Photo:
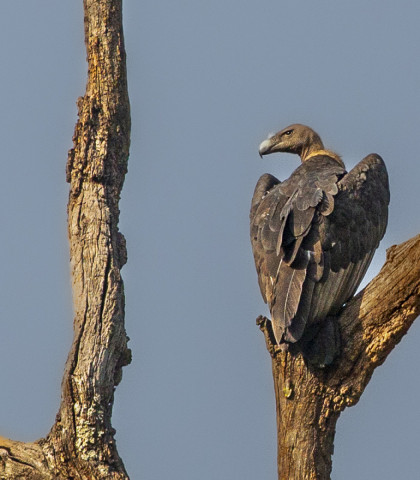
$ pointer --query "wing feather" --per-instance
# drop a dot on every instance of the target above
(287, 294)
(355, 228)
(314, 236)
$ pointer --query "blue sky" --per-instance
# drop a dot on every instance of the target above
(207, 82)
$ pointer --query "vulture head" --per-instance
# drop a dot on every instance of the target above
(295, 138)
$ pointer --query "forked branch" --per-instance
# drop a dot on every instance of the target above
(309, 400)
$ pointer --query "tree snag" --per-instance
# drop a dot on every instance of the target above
(81, 443)
(310, 400)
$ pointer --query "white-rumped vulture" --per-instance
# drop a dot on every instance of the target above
(313, 238)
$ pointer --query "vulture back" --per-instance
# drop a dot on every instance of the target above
(313, 238)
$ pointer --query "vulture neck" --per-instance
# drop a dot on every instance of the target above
(319, 150)
(312, 143)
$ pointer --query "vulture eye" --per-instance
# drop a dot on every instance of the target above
(288, 132)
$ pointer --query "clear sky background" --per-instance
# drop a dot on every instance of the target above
(207, 81)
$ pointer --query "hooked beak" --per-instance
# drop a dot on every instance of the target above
(266, 146)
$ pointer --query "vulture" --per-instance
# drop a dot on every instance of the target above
(313, 237)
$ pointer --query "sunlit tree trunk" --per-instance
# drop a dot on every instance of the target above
(81, 443)
(309, 400)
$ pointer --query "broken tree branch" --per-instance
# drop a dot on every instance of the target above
(310, 400)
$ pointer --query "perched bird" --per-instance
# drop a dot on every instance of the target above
(313, 237)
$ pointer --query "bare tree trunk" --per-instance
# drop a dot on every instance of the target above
(309, 400)
(81, 443)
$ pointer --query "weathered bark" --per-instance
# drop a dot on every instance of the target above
(81, 443)
(309, 400)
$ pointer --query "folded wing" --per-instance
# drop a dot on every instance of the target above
(313, 237)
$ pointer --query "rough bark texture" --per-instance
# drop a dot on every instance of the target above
(309, 400)
(81, 443)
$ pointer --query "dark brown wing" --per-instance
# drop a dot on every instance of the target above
(286, 240)
(314, 236)
(264, 253)
(352, 234)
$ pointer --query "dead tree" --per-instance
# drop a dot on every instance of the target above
(310, 400)
(81, 443)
